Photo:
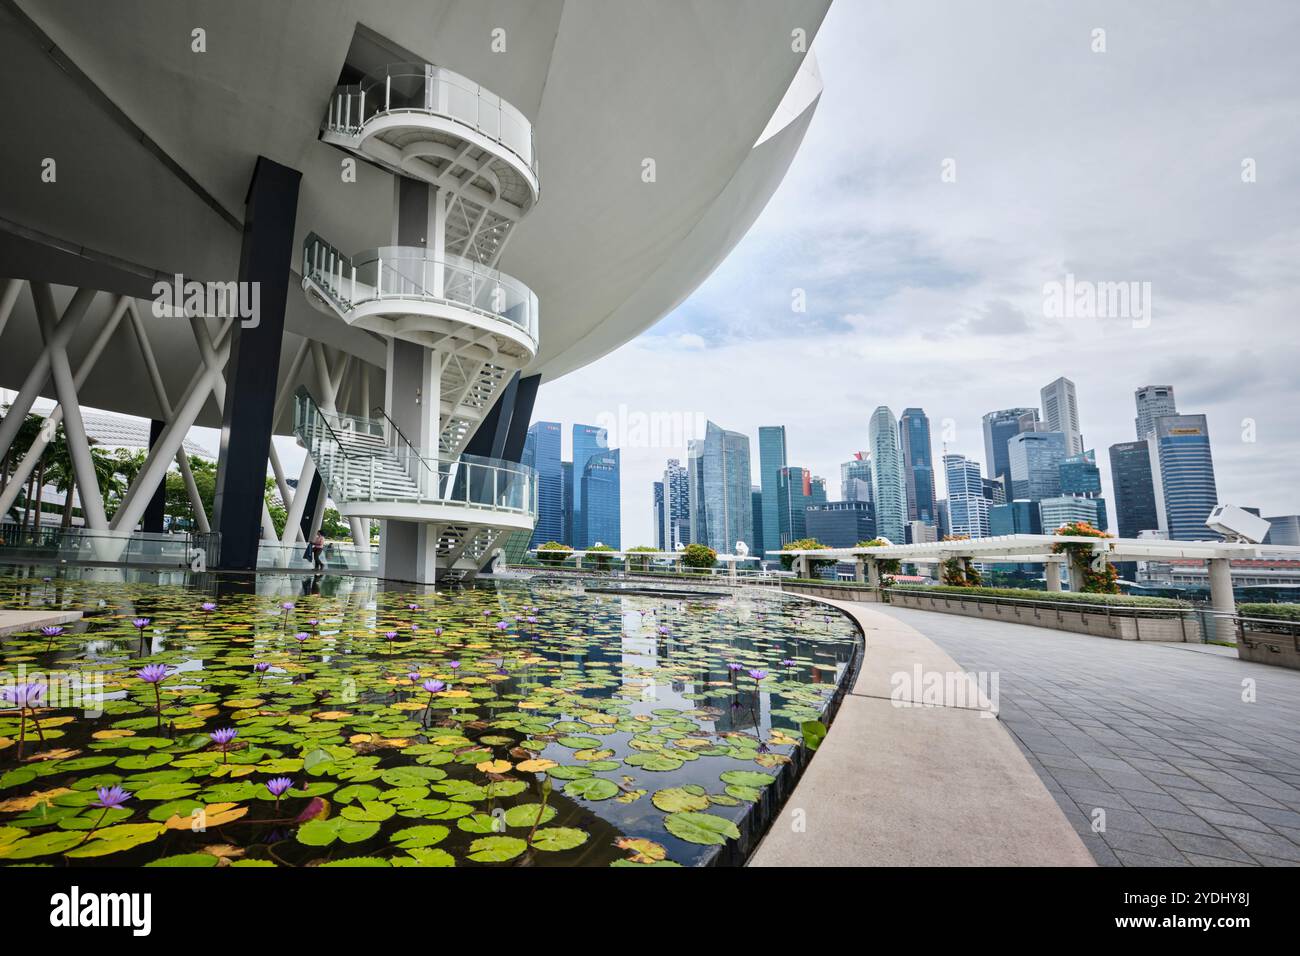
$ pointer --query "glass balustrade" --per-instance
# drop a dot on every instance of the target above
(411, 272)
(424, 88)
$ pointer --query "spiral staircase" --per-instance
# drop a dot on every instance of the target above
(455, 326)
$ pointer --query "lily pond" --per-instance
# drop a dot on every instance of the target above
(519, 723)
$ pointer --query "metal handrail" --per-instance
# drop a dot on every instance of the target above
(457, 280)
(353, 105)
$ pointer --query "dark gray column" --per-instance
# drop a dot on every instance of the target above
(308, 523)
(153, 514)
(270, 210)
(505, 428)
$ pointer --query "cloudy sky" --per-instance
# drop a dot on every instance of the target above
(1117, 166)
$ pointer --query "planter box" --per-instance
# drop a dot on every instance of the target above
(863, 594)
(1269, 647)
(1084, 620)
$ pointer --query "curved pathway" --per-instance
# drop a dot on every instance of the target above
(1192, 754)
(899, 783)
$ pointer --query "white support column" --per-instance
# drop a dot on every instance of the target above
(167, 412)
(170, 441)
(8, 298)
(859, 569)
(1052, 573)
(74, 428)
(40, 370)
(25, 468)
(1222, 599)
(873, 573)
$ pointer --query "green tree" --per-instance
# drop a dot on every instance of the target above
(699, 556)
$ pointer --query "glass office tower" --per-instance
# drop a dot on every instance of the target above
(918, 465)
(771, 459)
(888, 486)
(542, 452)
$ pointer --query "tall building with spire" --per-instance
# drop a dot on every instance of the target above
(1152, 401)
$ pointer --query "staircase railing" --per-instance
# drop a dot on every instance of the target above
(353, 471)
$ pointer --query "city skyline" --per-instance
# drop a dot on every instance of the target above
(930, 294)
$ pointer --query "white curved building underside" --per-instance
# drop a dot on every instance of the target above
(473, 218)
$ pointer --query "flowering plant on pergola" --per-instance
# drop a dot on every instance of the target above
(955, 571)
(1104, 581)
(888, 567)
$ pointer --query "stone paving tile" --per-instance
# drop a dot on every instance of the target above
(1142, 730)
(1182, 822)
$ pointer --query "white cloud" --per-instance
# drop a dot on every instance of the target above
(1122, 166)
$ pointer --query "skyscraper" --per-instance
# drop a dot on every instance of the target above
(721, 489)
(918, 465)
(1068, 509)
(601, 501)
(1080, 478)
(968, 509)
(771, 459)
(888, 486)
(1135, 493)
(566, 480)
(855, 477)
(588, 440)
(677, 505)
(999, 426)
(660, 518)
(542, 452)
(1061, 413)
(795, 492)
(840, 524)
(1035, 464)
(1182, 470)
(757, 546)
(1153, 401)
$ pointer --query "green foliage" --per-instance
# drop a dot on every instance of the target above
(1283, 612)
(805, 544)
(553, 553)
(1105, 581)
(699, 556)
(888, 566)
(639, 563)
(1025, 594)
(600, 562)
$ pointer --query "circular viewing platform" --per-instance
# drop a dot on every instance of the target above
(434, 124)
(408, 293)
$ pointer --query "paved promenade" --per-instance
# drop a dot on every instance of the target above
(1158, 736)
(916, 785)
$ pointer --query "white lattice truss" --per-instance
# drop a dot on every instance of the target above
(207, 383)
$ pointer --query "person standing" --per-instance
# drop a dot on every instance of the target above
(317, 549)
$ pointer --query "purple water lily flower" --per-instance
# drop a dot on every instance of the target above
(502, 626)
(277, 786)
(52, 631)
(757, 674)
(787, 663)
(301, 637)
(140, 623)
(152, 673)
(312, 622)
(208, 606)
(437, 632)
(30, 695)
(412, 607)
(532, 619)
(390, 635)
(454, 665)
(110, 798)
(262, 667)
(287, 606)
(733, 667)
(413, 676)
(223, 735)
(434, 686)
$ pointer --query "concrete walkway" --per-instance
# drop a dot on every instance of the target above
(897, 785)
(13, 621)
(1194, 758)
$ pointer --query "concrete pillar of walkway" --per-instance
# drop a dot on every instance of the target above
(859, 570)
(1221, 599)
(1052, 574)
(873, 574)
(1075, 574)
(266, 256)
